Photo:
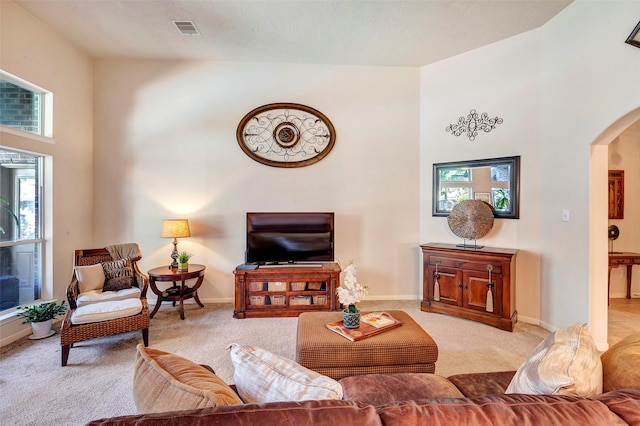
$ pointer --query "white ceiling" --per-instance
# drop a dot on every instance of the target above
(345, 32)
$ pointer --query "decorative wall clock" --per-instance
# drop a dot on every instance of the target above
(286, 135)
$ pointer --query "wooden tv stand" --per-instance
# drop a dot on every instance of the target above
(286, 291)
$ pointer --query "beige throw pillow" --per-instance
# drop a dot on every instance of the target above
(567, 362)
(167, 382)
(90, 277)
(261, 376)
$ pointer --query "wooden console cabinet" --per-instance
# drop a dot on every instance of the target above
(464, 278)
(285, 291)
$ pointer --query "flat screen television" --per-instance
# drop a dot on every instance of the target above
(285, 237)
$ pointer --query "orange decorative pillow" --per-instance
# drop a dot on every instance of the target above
(620, 364)
(167, 382)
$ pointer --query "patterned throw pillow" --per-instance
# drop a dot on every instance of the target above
(261, 376)
(118, 275)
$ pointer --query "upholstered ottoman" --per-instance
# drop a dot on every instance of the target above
(404, 349)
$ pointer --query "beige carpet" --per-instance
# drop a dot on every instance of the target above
(96, 383)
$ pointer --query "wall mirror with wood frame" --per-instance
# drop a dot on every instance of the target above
(494, 180)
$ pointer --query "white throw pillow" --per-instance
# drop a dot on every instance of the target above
(261, 376)
(567, 362)
(90, 277)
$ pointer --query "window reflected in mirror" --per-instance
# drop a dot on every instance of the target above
(494, 181)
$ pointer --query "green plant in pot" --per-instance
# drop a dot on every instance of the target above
(183, 260)
(40, 316)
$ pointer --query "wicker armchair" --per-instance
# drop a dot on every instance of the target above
(73, 333)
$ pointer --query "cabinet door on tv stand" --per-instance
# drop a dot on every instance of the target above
(449, 283)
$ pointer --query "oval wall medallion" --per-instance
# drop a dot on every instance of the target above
(286, 135)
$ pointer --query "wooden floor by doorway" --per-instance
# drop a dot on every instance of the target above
(624, 318)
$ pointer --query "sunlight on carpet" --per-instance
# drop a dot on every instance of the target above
(97, 382)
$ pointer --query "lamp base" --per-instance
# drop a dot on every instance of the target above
(174, 255)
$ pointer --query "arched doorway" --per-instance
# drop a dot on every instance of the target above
(598, 223)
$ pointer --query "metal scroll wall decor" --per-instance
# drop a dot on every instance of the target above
(286, 135)
(473, 124)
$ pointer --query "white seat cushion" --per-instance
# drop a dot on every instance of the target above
(97, 312)
(99, 296)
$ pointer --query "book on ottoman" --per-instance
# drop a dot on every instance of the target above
(371, 323)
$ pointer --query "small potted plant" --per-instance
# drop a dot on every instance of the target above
(40, 316)
(350, 293)
(183, 261)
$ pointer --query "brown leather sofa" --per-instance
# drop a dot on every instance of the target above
(429, 399)
(483, 404)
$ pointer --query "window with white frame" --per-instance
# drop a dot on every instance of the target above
(21, 243)
(25, 108)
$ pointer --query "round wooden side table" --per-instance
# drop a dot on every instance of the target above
(176, 293)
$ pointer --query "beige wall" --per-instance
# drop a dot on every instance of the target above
(556, 93)
(32, 51)
(165, 147)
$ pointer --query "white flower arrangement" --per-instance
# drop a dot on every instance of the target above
(351, 292)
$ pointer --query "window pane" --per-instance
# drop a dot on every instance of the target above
(20, 108)
(20, 279)
(501, 198)
(460, 174)
(451, 196)
(501, 173)
(20, 230)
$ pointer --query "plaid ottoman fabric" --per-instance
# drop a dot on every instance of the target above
(405, 349)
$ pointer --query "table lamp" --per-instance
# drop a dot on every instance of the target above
(175, 228)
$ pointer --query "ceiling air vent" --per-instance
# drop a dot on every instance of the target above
(187, 27)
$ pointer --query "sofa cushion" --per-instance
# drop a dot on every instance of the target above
(290, 413)
(620, 364)
(261, 376)
(167, 382)
(625, 403)
(380, 389)
(98, 312)
(566, 362)
(118, 275)
(480, 384)
(503, 409)
(90, 277)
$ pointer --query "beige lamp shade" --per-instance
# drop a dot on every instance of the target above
(175, 228)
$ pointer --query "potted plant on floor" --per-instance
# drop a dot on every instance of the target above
(183, 261)
(40, 316)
